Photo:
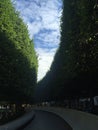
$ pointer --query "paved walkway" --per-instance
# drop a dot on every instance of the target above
(47, 121)
(76, 119)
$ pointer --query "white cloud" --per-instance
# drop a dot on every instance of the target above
(34, 28)
(49, 39)
(42, 15)
(45, 16)
(45, 60)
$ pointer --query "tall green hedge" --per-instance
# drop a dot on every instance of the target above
(74, 72)
(18, 59)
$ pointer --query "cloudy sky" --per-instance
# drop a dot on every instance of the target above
(43, 20)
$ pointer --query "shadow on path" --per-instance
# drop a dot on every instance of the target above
(47, 121)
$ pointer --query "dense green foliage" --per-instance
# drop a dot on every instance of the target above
(74, 72)
(18, 60)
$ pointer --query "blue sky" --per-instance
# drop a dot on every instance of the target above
(43, 20)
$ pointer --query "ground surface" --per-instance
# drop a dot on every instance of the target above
(47, 121)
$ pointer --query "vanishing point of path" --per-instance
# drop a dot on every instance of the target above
(47, 121)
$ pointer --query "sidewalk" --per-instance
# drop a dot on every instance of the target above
(76, 119)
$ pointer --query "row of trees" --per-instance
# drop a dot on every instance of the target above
(18, 59)
(74, 72)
